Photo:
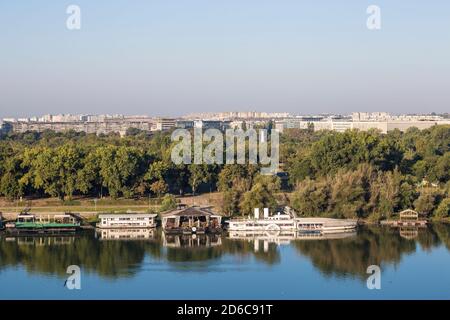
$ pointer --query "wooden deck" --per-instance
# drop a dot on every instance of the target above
(405, 223)
(407, 218)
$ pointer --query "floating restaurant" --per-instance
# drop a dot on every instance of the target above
(407, 218)
(189, 220)
(127, 220)
(51, 223)
(274, 223)
(287, 221)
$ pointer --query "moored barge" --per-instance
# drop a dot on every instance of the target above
(126, 220)
(189, 220)
(288, 222)
(50, 223)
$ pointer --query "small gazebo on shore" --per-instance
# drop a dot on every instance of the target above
(409, 215)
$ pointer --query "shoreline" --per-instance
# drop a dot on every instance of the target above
(87, 215)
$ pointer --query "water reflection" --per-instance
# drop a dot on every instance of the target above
(373, 245)
(126, 234)
(409, 232)
(191, 240)
(341, 254)
(285, 237)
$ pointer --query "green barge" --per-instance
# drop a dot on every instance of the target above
(57, 223)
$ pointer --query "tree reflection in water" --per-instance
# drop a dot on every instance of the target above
(124, 257)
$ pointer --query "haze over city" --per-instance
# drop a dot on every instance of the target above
(169, 58)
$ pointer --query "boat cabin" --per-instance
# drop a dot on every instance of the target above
(191, 220)
(65, 218)
(127, 220)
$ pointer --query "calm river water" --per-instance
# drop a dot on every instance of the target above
(415, 263)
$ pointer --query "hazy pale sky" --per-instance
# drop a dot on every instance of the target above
(172, 57)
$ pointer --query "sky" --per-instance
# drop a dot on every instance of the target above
(173, 57)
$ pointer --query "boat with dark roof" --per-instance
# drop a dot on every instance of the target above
(188, 220)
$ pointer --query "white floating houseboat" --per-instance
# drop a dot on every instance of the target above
(127, 220)
(288, 222)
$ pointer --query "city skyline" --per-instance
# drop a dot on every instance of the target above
(164, 58)
(210, 115)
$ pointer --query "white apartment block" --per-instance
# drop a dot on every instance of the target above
(341, 126)
(163, 124)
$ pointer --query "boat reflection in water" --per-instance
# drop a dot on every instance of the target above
(126, 234)
(409, 233)
(41, 241)
(190, 240)
(283, 237)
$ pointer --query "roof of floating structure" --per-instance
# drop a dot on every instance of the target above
(409, 213)
(190, 211)
(128, 215)
(46, 215)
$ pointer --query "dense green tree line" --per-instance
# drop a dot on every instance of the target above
(370, 175)
(350, 174)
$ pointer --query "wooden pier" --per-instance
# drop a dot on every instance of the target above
(408, 218)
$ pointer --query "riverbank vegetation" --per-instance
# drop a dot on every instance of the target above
(352, 174)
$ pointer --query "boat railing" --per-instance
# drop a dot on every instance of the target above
(270, 218)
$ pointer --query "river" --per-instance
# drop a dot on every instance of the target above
(147, 264)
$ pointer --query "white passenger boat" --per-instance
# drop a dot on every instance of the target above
(325, 225)
(288, 222)
(278, 222)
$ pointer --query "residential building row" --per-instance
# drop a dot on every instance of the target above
(106, 124)
(341, 125)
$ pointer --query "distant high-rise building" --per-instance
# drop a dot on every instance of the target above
(163, 124)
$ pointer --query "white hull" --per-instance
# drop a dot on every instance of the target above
(277, 223)
(325, 225)
(283, 223)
